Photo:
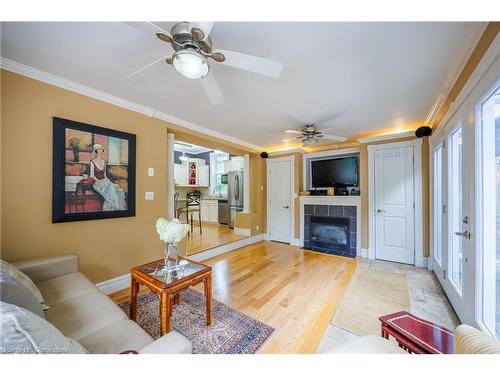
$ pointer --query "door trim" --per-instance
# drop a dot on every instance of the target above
(290, 158)
(420, 260)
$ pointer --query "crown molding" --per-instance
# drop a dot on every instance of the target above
(488, 59)
(39, 75)
(386, 137)
(469, 46)
(288, 151)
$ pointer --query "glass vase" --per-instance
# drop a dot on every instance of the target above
(171, 257)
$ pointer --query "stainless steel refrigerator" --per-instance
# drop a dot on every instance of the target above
(234, 194)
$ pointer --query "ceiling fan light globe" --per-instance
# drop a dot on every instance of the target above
(190, 64)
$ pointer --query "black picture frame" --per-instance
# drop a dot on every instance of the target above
(59, 172)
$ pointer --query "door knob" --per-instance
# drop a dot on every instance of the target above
(287, 207)
(465, 234)
(380, 210)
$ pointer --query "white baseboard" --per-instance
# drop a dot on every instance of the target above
(227, 248)
(295, 242)
(371, 253)
(122, 282)
(364, 253)
(114, 285)
(242, 231)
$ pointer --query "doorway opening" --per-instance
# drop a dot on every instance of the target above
(208, 193)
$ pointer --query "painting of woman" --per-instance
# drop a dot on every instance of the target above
(113, 195)
(93, 172)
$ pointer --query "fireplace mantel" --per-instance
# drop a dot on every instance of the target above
(332, 201)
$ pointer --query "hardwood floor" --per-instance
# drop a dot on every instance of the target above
(292, 290)
(213, 235)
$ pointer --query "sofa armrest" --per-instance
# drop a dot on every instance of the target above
(171, 343)
(469, 340)
(41, 269)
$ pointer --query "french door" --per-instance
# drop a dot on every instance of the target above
(486, 106)
(465, 185)
(453, 213)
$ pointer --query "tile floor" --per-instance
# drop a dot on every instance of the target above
(427, 300)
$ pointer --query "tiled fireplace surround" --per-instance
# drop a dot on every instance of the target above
(340, 207)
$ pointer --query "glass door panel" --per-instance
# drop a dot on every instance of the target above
(438, 204)
(489, 123)
(456, 217)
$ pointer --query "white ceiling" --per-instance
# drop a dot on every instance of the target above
(355, 77)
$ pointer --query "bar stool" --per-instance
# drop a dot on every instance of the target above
(193, 205)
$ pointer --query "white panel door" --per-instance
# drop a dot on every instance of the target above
(280, 195)
(394, 205)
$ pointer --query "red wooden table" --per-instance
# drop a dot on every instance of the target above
(417, 335)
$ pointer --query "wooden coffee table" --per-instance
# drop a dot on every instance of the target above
(417, 335)
(168, 285)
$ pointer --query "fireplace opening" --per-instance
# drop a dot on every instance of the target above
(330, 234)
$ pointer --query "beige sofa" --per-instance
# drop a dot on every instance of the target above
(467, 340)
(80, 311)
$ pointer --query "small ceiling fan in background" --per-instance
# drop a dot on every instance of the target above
(192, 49)
(310, 134)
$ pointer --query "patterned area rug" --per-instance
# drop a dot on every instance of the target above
(231, 332)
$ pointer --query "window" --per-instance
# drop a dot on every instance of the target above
(217, 159)
(489, 116)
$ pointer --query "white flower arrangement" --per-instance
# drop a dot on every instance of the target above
(172, 231)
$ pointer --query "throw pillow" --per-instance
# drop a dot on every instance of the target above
(23, 279)
(11, 291)
(25, 332)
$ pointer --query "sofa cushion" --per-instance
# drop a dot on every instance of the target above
(83, 315)
(25, 332)
(62, 288)
(368, 345)
(24, 280)
(11, 291)
(116, 338)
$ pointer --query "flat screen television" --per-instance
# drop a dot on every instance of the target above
(335, 172)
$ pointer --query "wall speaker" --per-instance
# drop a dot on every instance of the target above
(423, 131)
(264, 155)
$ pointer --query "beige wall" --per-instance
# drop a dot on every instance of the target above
(107, 248)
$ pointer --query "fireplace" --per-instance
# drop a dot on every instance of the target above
(331, 229)
(330, 234)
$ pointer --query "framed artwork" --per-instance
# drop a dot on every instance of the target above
(93, 175)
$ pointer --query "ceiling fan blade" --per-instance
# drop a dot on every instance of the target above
(291, 139)
(197, 34)
(212, 89)
(217, 56)
(147, 27)
(293, 131)
(334, 137)
(149, 71)
(251, 63)
(204, 27)
(165, 37)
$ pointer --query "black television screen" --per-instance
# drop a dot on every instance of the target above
(335, 172)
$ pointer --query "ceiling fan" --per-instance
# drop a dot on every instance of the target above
(192, 51)
(310, 135)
